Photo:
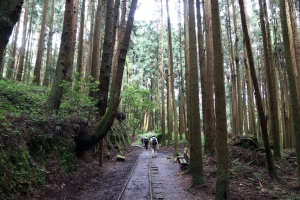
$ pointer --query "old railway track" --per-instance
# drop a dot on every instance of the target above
(134, 179)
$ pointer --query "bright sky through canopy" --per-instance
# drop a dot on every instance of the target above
(148, 10)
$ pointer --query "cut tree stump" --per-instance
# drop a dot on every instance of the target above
(120, 158)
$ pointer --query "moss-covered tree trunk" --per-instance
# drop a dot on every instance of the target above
(85, 141)
(65, 60)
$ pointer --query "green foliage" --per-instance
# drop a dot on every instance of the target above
(75, 99)
(32, 144)
(137, 102)
(17, 172)
(20, 98)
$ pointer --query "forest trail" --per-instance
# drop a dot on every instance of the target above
(164, 177)
(165, 180)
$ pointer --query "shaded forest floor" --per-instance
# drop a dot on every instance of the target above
(248, 177)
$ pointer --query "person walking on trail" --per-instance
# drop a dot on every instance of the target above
(146, 142)
(154, 144)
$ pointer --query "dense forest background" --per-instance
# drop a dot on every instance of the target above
(226, 69)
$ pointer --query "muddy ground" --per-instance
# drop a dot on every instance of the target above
(248, 178)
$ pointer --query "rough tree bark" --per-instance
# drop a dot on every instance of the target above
(65, 59)
(9, 15)
(261, 115)
(222, 185)
(85, 140)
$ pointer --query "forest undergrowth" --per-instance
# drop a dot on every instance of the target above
(38, 153)
(34, 146)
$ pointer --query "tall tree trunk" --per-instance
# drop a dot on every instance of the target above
(222, 185)
(23, 44)
(238, 126)
(182, 119)
(46, 80)
(10, 13)
(171, 72)
(65, 59)
(262, 119)
(80, 60)
(39, 55)
(11, 66)
(105, 67)
(203, 67)
(270, 83)
(292, 82)
(163, 116)
(187, 70)
(85, 141)
(90, 40)
(196, 163)
(209, 126)
(96, 52)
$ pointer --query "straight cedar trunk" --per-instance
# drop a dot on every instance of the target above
(202, 61)
(196, 163)
(85, 141)
(119, 32)
(222, 185)
(46, 80)
(23, 44)
(292, 83)
(182, 124)
(261, 115)
(29, 44)
(182, 119)
(9, 15)
(163, 115)
(79, 67)
(273, 109)
(96, 52)
(187, 70)
(172, 89)
(65, 59)
(106, 62)
(90, 39)
(11, 66)
(39, 55)
(209, 126)
(238, 125)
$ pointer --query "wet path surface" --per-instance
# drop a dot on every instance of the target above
(166, 180)
(138, 185)
(164, 177)
(134, 174)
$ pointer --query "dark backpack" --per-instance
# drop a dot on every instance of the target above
(154, 141)
(146, 140)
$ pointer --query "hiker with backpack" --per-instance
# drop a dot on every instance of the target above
(154, 144)
(146, 142)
